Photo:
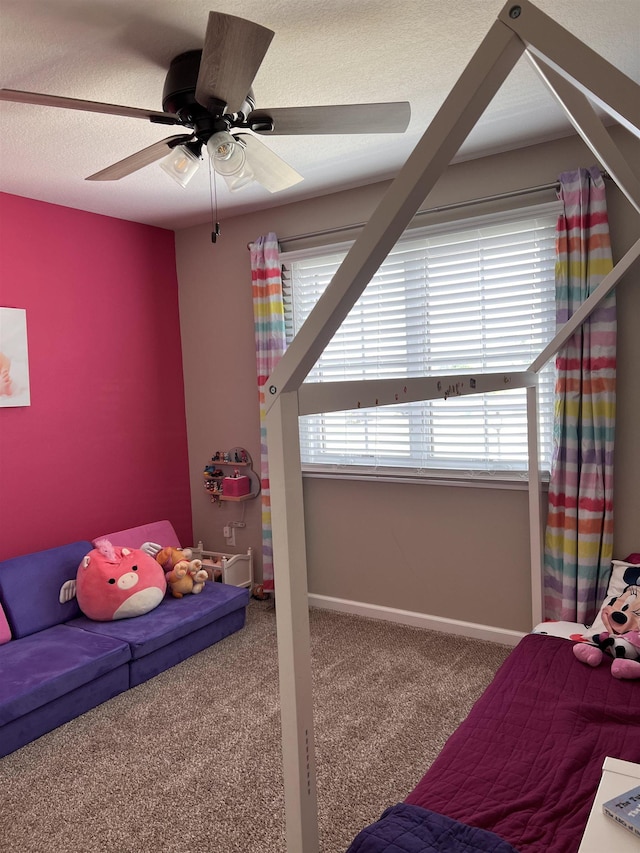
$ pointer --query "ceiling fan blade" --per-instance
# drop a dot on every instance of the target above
(140, 159)
(233, 51)
(268, 168)
(38, 99)
(344, 118)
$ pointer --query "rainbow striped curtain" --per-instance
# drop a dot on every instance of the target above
(268, 314)
(579, 533)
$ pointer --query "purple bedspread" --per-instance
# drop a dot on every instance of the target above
(526, 762)
(411, 829)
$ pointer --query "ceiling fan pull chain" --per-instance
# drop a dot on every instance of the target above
(213, 195)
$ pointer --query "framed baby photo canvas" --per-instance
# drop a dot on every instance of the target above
(14, 358)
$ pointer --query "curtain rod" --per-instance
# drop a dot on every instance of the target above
(555, 185)
(453, 206)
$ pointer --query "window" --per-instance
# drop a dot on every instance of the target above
(473, 296)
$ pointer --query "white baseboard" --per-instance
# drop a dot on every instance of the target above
(418, 620)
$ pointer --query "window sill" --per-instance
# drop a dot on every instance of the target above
(467, 479)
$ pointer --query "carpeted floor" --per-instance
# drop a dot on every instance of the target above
(189, 762)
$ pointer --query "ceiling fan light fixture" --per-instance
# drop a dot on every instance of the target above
(181, 164)
(229, 159)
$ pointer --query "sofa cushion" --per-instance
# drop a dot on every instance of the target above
(42, 667)
(30, 587)
(161, 532)
(147, 667)
(5, 630)
(172, 619)
(35, 723)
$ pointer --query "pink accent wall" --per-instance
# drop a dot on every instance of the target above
(103, 445)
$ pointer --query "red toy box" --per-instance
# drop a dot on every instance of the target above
(235, 487)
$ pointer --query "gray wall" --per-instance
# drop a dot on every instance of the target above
(449, 551)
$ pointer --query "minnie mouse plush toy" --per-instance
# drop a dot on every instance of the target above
(621, 637)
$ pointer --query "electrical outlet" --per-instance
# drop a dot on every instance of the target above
(229, 532)
(226, 531)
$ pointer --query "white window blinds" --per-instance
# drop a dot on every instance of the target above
(476, 296)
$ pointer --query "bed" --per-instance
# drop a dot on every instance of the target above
(521, 772)
(523, 768)
(570, 69)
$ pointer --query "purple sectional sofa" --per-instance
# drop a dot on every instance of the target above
(58, 664)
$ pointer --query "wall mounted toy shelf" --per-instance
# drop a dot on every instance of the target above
(229, 476)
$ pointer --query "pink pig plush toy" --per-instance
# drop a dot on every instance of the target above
(116, 583)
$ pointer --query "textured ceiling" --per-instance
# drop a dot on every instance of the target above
(324, 52)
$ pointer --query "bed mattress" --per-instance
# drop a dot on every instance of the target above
(527, 761)
(525, 764)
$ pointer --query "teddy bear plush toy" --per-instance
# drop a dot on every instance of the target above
(186, 577)
(169, 557)
(621, 637)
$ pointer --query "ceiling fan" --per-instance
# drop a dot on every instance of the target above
(209, 92)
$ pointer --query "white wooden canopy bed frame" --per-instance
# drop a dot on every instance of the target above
(572, 71)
